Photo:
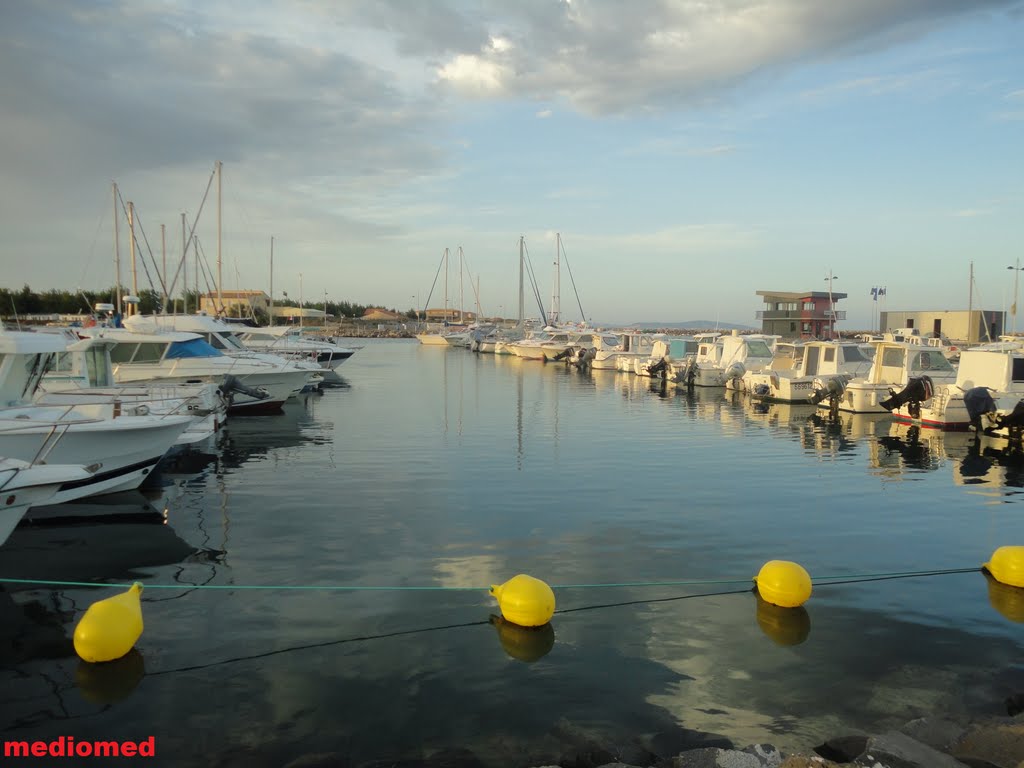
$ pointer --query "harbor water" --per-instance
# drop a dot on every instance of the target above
(316, 582)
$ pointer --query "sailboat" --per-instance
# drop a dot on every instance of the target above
(437, 338)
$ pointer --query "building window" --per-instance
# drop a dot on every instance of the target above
(792, 327)
(807, 328)
(809, 305)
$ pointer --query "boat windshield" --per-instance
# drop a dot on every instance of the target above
(930, 361)
(758, 348)
(191, 348)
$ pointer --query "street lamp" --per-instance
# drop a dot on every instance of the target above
(1016, 274)
(831, 304)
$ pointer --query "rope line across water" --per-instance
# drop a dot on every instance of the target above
(820, 581)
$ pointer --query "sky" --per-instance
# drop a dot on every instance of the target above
(688, 152)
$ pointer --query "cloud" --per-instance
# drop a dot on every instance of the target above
(605, 57)
(544, 113)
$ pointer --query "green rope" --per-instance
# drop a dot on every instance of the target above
(823, 580)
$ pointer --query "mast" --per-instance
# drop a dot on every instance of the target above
(131, 246)
(271, 281)
(556, 290)
(301, 311)
(462, 297)
(446, 286)
(163, 279)
(117, 253)
(522, 297)
(970, 304)
(220, 295)
(184, 268)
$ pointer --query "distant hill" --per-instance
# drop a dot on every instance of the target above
(696, 325)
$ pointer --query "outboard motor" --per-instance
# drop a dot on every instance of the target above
(918, 390)
(1014, 423)
(735, 371)
(565, 354)
(688, 375)
(659, 368)
(583, 359)
(232, 385)
(978, 402)
(831, 389)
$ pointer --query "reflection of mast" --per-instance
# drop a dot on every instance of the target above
(519, 409)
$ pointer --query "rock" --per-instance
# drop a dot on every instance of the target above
(936, 732)
(997, 744)
(320, 760)
(802, 761)
(755, 756)
(897, 750)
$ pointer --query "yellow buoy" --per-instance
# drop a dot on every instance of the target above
(525, 601)
(110, 627)
(781, 582)
(524, 643)
(1007, 566)
(785, 626)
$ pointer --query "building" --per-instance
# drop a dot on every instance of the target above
(968, 326)
(800, 315)
(291, 314)
(236, 303)
(378, 315)
(452, 315)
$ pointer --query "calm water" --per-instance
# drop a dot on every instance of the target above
(438, 468)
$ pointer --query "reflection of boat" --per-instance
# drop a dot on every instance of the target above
(243, 440)
(22, 486)
(104, 545)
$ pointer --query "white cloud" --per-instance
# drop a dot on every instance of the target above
(544, 113)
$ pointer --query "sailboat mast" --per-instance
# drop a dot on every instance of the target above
(446, 286)
(163, 277)
(131, 247)
(117, 253)
(970, 304)
(462, 296)
(184, 268)
(522, 297)
(271, 280)
(220, 295)
(556, 291)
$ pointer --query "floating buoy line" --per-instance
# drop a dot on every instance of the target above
(110, 628)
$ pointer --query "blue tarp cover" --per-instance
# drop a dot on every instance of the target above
(191, 348)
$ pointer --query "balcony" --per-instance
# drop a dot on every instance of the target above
(839, 314)
(779, 314)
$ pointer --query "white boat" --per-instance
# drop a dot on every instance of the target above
(722, 361)
(799, 371)
(24, 485)
(664, 353)
(622, 350)
(83, 375)
(988, 390)
(289, 343)
(895, 363)
(221, 336)
(123, 444)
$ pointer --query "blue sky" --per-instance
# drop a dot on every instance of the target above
(689, 153)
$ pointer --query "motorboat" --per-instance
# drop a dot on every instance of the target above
(799, 371)
(988, 393)
(253, 383)
(123, 443)
(894, 365)
(289, 343)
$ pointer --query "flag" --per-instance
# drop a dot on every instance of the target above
(881, 291)
(874, 293)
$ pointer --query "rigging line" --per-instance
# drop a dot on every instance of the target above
(476, 293)
(195, 223)
(571, 280)
(137, 221)
(533, 281)
(92, 247)
(432, 286)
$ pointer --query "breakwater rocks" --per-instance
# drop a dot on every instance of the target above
(932, 742)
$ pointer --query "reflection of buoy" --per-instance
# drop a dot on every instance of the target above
(525, 601)
(785, 626)
(781, 582)
(1007, 566)
(110, 627)
(524, 643)
(1007, 600)
(109, 683)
